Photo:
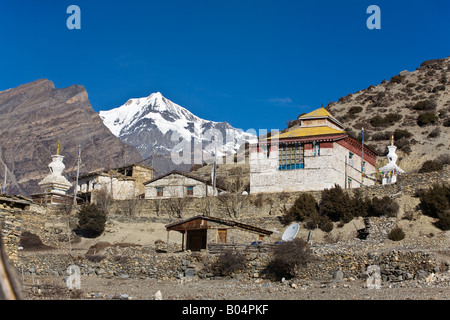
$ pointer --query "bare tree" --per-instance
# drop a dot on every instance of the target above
(157, 205)
(205, 206)
(130, 207)
(176, 205)
(103, 199)
(233, 199)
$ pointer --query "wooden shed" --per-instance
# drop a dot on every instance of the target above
(195, 231)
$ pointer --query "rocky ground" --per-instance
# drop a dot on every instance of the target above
(97, 287)
(128, 285)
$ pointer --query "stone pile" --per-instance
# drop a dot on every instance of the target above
(10, 231)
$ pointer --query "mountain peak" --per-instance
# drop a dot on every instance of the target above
(148, 123)
(156, 95)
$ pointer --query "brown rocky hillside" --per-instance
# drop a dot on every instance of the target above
(34, 116)
(413, 105)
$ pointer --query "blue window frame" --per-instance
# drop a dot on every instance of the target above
(290, 156)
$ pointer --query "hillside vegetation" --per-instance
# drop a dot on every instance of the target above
(412, 105)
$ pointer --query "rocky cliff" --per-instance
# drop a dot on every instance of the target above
(34, 116)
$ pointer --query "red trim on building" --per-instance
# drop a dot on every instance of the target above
(355, 147)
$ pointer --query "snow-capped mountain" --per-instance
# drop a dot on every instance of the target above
(155, 124)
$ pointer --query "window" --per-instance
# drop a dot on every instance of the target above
(159, 191)
(349, 183)
(265, 151)
(316, 148)
(363, 169)
(350, 158)
(290, 156)
(190, 190)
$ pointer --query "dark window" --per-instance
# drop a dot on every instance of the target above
(316, 147)
(159, 191)
(190, 190)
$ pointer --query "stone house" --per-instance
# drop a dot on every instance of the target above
(313, 156)
(122, 183)
(177, 184)
(200, 231)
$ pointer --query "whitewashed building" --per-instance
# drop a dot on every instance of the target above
(121, 183)
(314, 156)
(176, 184)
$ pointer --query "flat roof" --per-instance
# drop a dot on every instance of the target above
(177, 226)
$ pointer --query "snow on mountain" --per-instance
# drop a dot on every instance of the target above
(156, 124)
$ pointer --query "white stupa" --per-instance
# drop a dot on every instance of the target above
(55, 182)
(390, 171)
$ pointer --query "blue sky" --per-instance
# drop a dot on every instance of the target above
(252, 63)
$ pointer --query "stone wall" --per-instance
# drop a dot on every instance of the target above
(146, 262)
(273, 204)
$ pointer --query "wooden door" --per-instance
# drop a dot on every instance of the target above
(196, 240)
(222, 235)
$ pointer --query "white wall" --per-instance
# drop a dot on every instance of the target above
(175, 186)
(121, 189)
(319, 172)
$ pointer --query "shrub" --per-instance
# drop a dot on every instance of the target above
(397, 79)
(430, 166)
(377, 121)
(443, 159)
(438, 88)
(396, 234)
(427, 118)
(355, 110)
(388, 120)
(443, 222)
(336, 204)
(425, 105)
(400, 134)
(304, 207)
(402, 144)
(435, 202)
(447, 123)
(91, 221)
(391, 118)
(360, 204)
(383, 207)
(435, 133)
(231, 261)
(288, 257)
(383, 135)
(317, 221)
(326, 225)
